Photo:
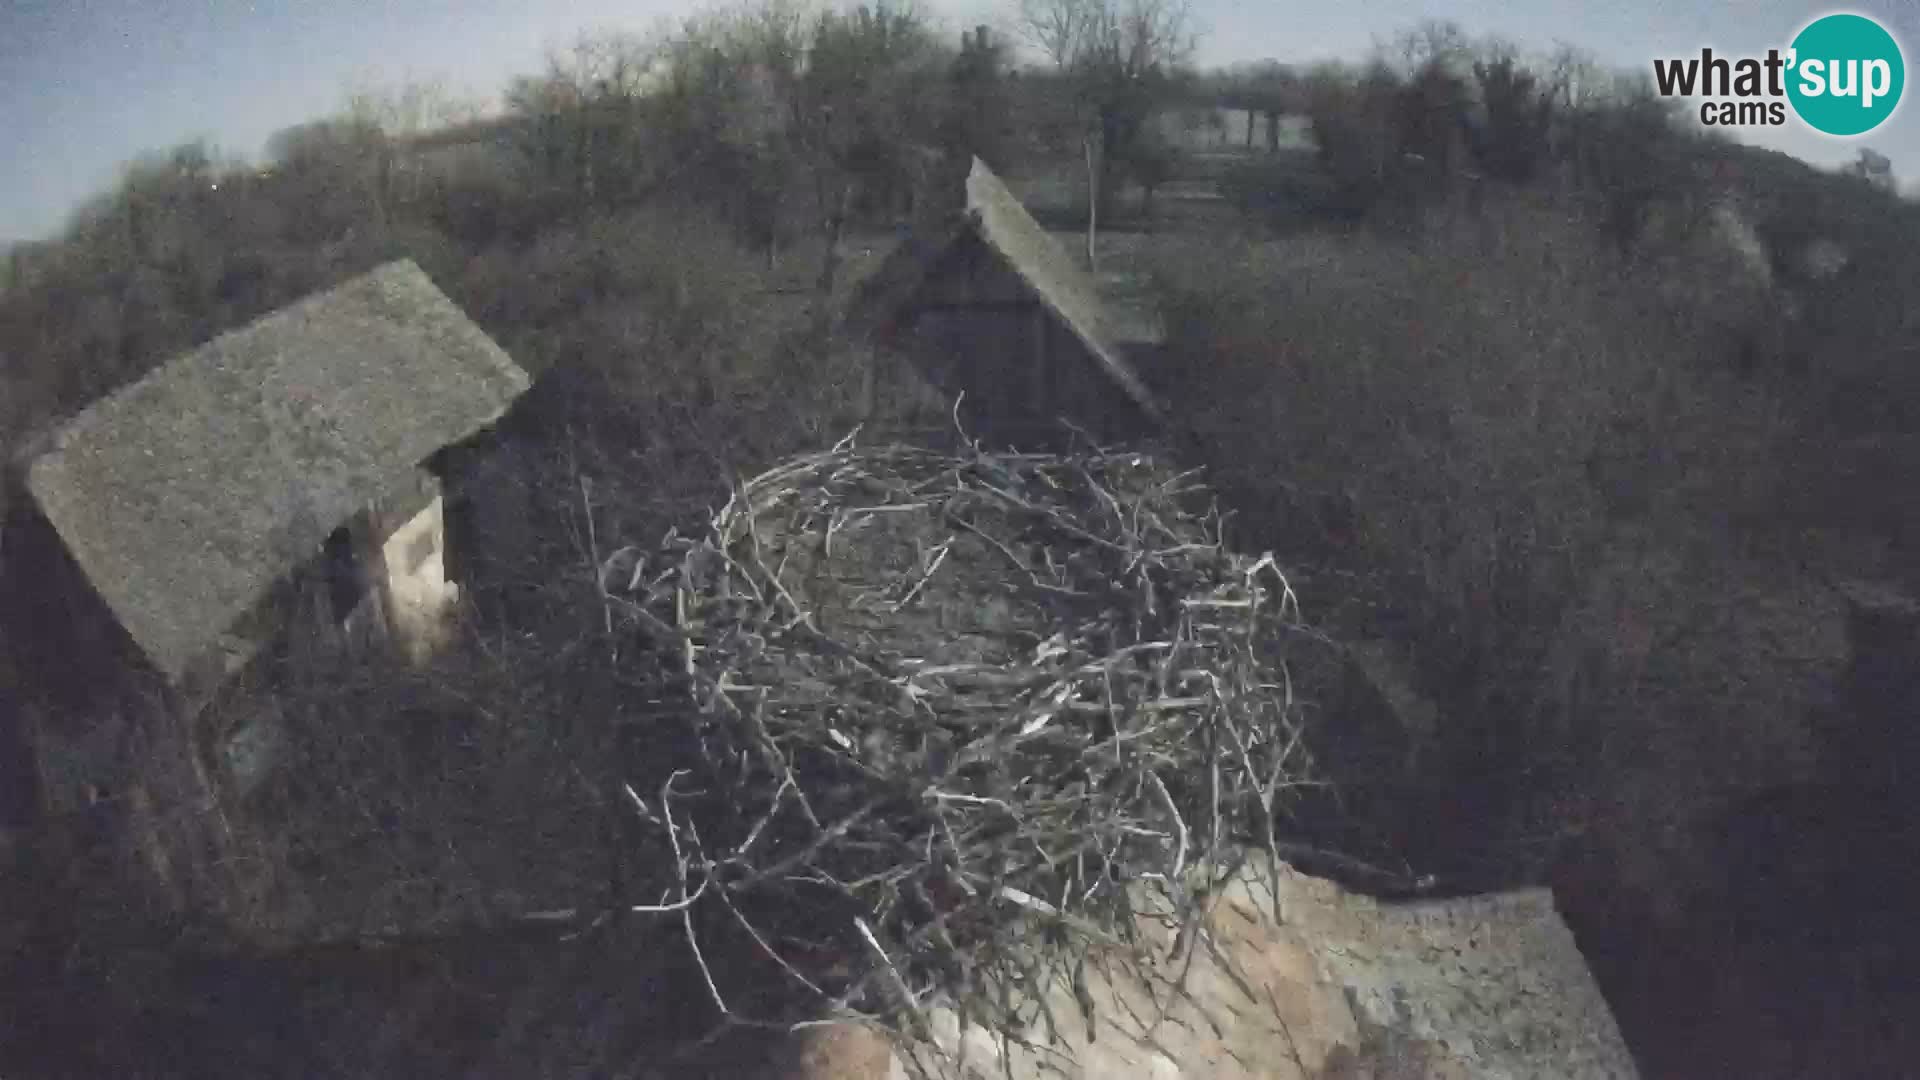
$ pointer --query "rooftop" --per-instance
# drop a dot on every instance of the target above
(996, 217)
(185, 495)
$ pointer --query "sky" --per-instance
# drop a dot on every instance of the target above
(85, 85)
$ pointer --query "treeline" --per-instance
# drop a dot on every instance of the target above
(1583, 414)
(1438, 114)
(738, 136)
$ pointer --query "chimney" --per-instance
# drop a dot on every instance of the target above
(981, 32)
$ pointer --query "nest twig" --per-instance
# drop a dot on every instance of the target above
(947, 715)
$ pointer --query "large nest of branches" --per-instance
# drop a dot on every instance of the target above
(934, 723)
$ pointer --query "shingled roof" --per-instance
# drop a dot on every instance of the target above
(995, 216)
(186, 495)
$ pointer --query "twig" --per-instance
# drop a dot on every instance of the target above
(599, 578)
(906, 995)
(1173, 811)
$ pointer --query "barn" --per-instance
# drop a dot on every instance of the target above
(280, 486)
(986, 309)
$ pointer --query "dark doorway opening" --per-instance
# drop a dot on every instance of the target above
(345, 577)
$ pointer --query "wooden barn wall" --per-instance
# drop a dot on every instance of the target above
(980, 328)
(493, 506)
(111, 762)
(132, 777)
(62, 637)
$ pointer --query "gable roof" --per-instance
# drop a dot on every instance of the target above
(186, 495)
(992, 214)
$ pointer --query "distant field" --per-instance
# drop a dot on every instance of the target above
(1056, 195)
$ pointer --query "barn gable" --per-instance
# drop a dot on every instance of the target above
(990, 306)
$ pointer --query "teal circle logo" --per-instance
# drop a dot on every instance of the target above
(1846, 75)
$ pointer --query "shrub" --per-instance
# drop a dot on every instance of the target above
(1279, 189)
(1512, 142)
(1355, 129)
(666, 370)
(1470, 434)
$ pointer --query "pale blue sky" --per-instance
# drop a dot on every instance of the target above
(87, 84)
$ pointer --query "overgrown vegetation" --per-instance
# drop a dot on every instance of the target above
(1577, 410)
(1564, 389)
(763, 130)
(1116, 62)
(1555, 423)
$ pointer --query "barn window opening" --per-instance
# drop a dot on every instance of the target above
(457, 522)
(341, 566)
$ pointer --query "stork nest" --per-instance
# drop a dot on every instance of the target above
(940, 718)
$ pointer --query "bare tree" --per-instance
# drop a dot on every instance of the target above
(413, 109)
(581, 118)
(1873, 167)
(1119, 56)
(1266, 89)
(1576, 78)
(1432, 42)
(340, 166)
(855, 92)
(1056, 27)
(398, 116)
